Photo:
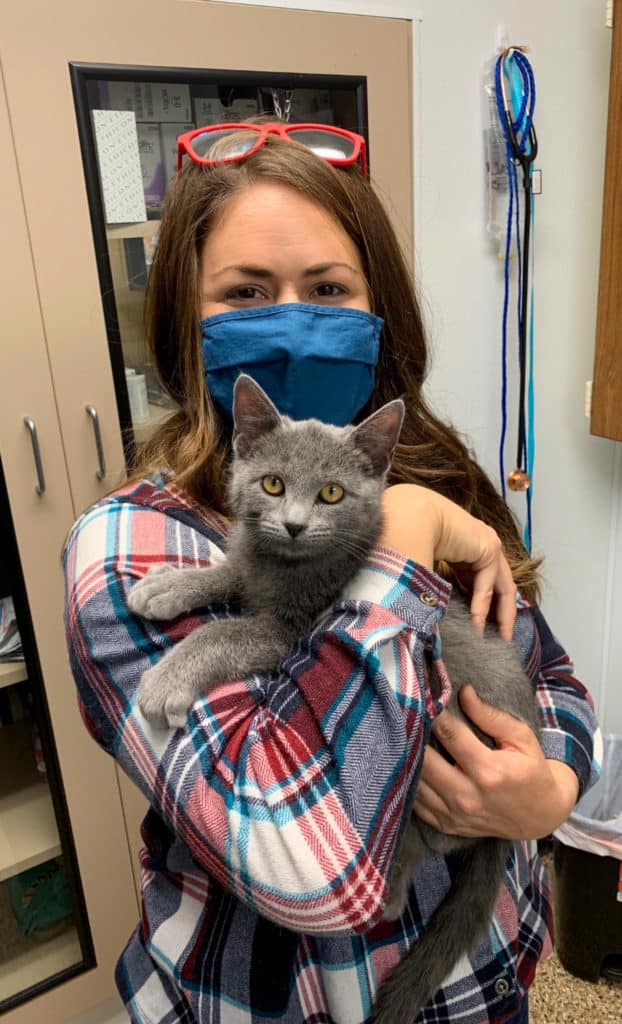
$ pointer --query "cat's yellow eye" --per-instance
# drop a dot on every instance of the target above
(273, 485)
(331, 493)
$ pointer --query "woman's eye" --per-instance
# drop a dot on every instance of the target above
(327, 290)
(244, 293)
(331, 493)
(273, 485)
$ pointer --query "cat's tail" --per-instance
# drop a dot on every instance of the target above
(453, 930)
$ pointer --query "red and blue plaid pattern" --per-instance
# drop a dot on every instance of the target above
(276, 813)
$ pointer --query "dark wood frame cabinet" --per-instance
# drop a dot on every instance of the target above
(606, 414)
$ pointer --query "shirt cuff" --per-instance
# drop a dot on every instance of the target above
(414, 593)
(560, 746)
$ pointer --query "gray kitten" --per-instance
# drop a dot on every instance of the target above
(307, 505)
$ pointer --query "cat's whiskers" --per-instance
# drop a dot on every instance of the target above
(352, 547)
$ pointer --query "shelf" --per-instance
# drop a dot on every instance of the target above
(141, 229)
(39, 962)
(28, 830)
(12, 672)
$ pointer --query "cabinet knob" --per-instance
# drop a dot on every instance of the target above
(30, 424)
(92, 412)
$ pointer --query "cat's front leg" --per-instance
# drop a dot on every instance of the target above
(166, 592)
(212, 653)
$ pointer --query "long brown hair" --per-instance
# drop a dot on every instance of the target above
(195, 444)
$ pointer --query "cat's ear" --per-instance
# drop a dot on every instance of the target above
(253, 413)
(378, 435)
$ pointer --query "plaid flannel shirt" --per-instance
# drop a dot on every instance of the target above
(276, 813)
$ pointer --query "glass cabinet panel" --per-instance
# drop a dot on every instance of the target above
(129, 120)
(44, 934)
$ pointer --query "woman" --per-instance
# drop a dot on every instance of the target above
(267, 851)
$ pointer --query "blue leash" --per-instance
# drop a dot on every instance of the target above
(521, 150)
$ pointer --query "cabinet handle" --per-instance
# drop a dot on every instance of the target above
(92, 411)
(36, 451)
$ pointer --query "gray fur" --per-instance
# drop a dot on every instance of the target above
(284, 583)
(493, 667)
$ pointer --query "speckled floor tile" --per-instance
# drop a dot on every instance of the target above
(558, 997)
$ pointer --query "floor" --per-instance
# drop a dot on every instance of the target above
(557, 997)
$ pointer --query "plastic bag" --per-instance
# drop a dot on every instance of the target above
(595, 825)
(40, 898)
(497, 180)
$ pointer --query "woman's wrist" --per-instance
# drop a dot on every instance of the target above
(411, 522)
(566, 788)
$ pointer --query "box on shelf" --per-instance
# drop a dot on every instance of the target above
(10, 640)
(137, 395)
(168, 141)
(119, 161)
(151, 163)
(241, 110)
(208, 110)
(310, 102)
(318, 117)
(150, 101)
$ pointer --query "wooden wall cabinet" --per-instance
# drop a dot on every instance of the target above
(606, 416)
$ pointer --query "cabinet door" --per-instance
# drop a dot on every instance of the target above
(72, 809)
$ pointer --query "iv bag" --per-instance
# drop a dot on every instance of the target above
(497, 181)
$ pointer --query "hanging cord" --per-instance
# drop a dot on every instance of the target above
(504, 340)
(531, 426)
(514, 70)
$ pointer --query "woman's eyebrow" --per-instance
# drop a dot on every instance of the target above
(323, 268)
(245, 268)
(262, 272)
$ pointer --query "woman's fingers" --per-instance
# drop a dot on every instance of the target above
(508, 790)
(469, 543)
(459, 740)
(493, 582)
(446, 798)
(507, 731)
(430, 807)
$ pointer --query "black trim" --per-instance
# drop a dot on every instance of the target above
(100, 242)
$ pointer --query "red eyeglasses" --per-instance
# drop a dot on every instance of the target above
(228, 143)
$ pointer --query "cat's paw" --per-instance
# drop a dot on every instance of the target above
(395, 905)
(161, 594)
(164, 703)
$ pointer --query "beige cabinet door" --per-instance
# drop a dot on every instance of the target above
(31, 825)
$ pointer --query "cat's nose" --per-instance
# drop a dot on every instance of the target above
(294, 528)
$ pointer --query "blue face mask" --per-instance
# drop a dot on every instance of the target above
(312, 361)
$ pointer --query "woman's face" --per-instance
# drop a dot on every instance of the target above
(273, 245)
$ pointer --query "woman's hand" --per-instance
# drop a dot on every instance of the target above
(512, 791)
(427, 527)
